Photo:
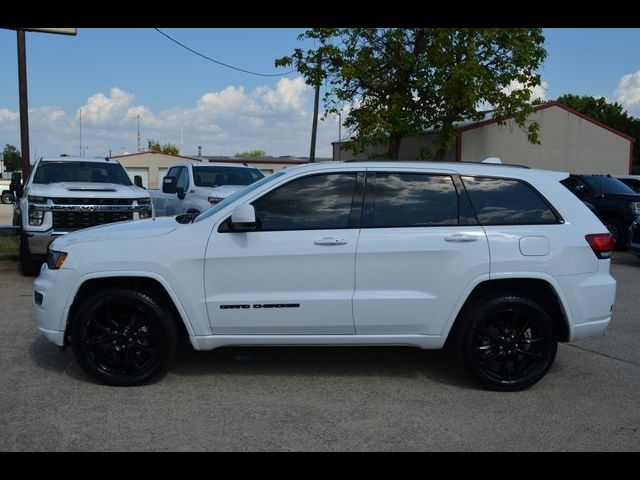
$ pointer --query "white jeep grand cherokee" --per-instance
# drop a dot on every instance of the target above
(498, 263)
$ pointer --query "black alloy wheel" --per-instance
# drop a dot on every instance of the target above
(509, 343)
(123, 337)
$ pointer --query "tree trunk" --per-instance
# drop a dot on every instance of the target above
(394, 146)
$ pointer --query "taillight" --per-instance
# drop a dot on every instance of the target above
(601, 244)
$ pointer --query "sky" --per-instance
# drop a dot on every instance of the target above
(114, 75)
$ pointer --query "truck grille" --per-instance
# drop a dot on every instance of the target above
(92, 201)
(68, 221)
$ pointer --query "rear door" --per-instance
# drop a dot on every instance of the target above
(419, 247)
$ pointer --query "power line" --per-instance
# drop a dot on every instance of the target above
(221, 63)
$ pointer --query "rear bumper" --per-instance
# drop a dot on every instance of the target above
(590, 298)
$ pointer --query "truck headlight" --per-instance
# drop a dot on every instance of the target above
(635, 208)
(32, 199)
(36, 217)
(146, 213)
(55, 260)
(214, 200)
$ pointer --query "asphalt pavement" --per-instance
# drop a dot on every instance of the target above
(319, 398)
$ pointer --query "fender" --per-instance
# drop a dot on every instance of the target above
(524, 275)
(120, 273)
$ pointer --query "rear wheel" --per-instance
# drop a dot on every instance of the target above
(6, 198)
(123, 337)
(507, 342)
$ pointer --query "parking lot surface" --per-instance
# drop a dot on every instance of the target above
(319, 398)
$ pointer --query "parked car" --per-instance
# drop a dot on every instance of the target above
(66, 194)
(632, 181)
(615, 203)
(193, 188)
(497, 263)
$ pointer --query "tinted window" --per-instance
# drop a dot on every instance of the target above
(218, 176)
(98, 172)
(411, 200)
(608, 185)
(501, 201)
(309, 203)
(183, 179)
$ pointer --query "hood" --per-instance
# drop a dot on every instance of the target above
(129, 230)
(86, 190)
(224, 191)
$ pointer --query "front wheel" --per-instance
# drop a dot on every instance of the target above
(507, 342)
(123, 337)
(6, 198)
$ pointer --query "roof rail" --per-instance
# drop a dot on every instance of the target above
(354, 160)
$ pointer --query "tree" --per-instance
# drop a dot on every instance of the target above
(610, 113)
(252, 154)
(396, 82)
(168, 148)
(12, 158)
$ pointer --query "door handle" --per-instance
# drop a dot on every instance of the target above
(330, 241)
(461, 238)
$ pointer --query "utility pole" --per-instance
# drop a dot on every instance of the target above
(81, 131)
(138, 132)
(314, 128)
(339, 133)
(24, 110)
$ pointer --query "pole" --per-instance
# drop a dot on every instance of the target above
(314, 128)
(339, 133)
(24, 110)
(138, 132)
(81, 131)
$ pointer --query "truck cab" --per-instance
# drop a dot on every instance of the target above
(193, 188)
(66, 194)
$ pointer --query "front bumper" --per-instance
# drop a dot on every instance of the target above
(39, 242)
(56, 290)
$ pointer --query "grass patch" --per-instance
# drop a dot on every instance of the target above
(9, 247)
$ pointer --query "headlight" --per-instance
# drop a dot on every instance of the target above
(214, 200)
(143, 201)
(35, 217)
(635, 208)
(55, 260)
(145, 213)
(37, 199)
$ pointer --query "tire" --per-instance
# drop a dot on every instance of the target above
(123, 337)
(6, 198)
(29, 267)
(618, 231)
(506, 342)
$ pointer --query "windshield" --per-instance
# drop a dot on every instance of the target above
(96, 172)
(609, 185)
(213, 176)
(239, 194)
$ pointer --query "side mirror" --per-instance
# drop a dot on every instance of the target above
(137, 181)
(243, 218)
(181, 193)
(169, 185)
(16, 184)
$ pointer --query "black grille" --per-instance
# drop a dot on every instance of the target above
(92, 201)
(67, 221)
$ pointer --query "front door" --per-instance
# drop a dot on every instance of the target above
(295, 273)
(419, 247)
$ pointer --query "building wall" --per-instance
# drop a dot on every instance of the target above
(152, 161)
(410, 149)
(568, 143)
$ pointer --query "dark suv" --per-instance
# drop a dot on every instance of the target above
(615, 203)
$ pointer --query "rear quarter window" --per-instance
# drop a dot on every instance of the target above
(505, 201)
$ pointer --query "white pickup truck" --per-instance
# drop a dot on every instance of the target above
(66, 194)
(193, 188)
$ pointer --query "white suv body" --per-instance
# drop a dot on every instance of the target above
(355, 253)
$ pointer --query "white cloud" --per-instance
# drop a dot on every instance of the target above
(628, 91)
(274, 118)
(539, 92)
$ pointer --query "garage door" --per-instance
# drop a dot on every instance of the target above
(143, 172)
(162, 172)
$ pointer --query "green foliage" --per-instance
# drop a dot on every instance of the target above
(168, 148)
(609, 113)
(397, 82)
(12, 158)
(252, 154)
